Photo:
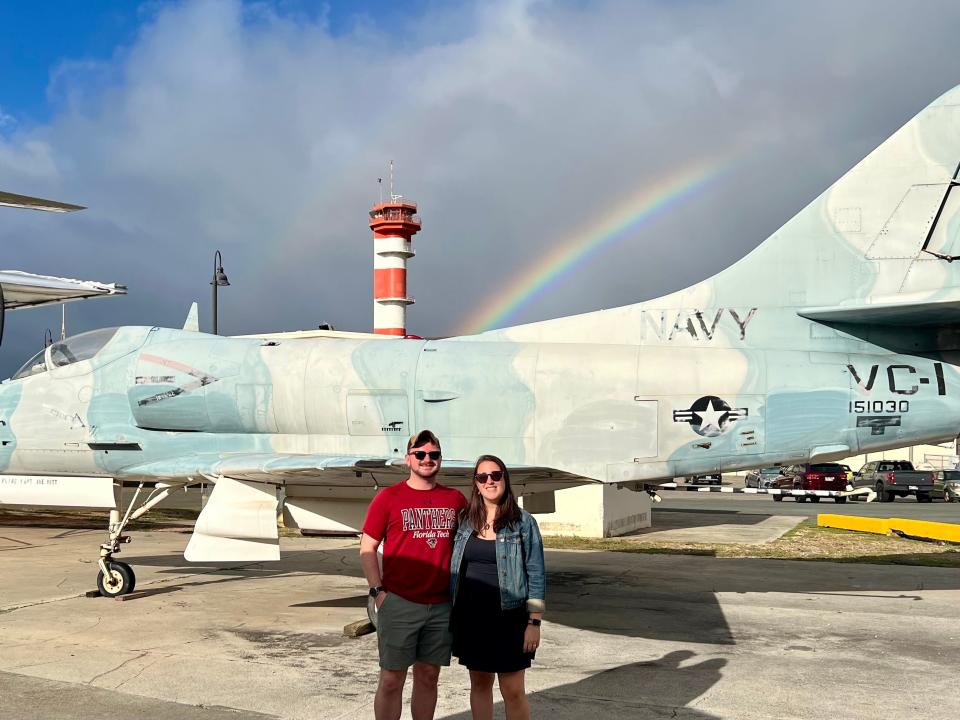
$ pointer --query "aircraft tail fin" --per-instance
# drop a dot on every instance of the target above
(876, 248)
(192, 323)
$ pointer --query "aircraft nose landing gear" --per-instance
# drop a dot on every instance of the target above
(117, 578)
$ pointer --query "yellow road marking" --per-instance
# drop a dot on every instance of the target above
(948, 532)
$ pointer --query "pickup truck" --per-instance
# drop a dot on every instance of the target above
(895, 478)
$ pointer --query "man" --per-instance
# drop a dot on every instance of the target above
(416, 520)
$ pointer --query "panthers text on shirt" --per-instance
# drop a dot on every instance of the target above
(428, 518)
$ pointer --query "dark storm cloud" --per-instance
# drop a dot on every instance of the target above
(233, 127)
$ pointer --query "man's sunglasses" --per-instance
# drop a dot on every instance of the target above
(496, 476)
(421, 454)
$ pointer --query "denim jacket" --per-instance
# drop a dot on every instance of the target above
(519, 563)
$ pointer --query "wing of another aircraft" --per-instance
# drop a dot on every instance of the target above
(321, 492)
(22, 289)
(35, 203)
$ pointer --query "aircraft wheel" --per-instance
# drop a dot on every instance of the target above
(120, 581)
(133, 576)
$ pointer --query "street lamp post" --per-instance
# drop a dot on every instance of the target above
(219, 280)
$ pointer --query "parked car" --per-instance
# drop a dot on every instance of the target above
(946, 484)
(895, 478)
(710, 479)
(762, 478)
(812, 476)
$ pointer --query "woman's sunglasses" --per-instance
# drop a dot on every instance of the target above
(421, 454)
(496, 476)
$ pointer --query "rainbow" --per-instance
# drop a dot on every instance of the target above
(632, 212)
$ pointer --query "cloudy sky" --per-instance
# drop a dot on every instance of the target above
(260, 129)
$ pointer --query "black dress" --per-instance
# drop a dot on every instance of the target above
(486, 638)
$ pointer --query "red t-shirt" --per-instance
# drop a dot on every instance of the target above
(417, 529)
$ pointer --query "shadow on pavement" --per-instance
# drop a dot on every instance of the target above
(655, 689)
(600, 597)
(354, 601)
(604, 603)
(655, 596)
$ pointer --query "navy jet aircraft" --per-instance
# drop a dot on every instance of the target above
(855, 349)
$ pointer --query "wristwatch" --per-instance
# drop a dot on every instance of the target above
(533, 621)
(374, 591)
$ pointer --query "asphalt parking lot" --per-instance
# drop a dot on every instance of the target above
(625, 636)
(683, 499)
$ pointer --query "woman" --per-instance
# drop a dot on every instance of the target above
(497, 585)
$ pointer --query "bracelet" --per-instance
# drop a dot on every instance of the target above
(535, 623)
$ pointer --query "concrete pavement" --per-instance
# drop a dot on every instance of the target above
(625, 636)
(670, 525)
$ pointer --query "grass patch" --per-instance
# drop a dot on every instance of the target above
(807, 541)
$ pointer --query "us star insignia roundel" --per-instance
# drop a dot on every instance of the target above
(709, 416)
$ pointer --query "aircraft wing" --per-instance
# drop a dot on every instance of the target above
(317, 470)
(321, 492)
(22, 289)
(35, 203)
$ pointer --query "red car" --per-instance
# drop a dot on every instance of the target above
(812, 476)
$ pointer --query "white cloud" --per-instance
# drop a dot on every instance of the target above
(234, 127)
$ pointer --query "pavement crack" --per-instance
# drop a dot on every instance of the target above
(623, 702)
(35, 603)
(138, 673)
(29, 666)
(355, 710)
(92, 680)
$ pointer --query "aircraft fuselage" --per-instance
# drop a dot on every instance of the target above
(608, 412)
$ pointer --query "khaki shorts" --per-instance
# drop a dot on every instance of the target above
(408, 632)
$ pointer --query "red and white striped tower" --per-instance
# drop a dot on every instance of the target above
(394, 224)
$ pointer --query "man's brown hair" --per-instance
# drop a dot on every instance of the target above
(422, 438)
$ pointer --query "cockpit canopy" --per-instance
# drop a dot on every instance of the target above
(66, 352)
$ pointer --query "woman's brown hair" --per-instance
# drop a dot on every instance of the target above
(508, 512)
